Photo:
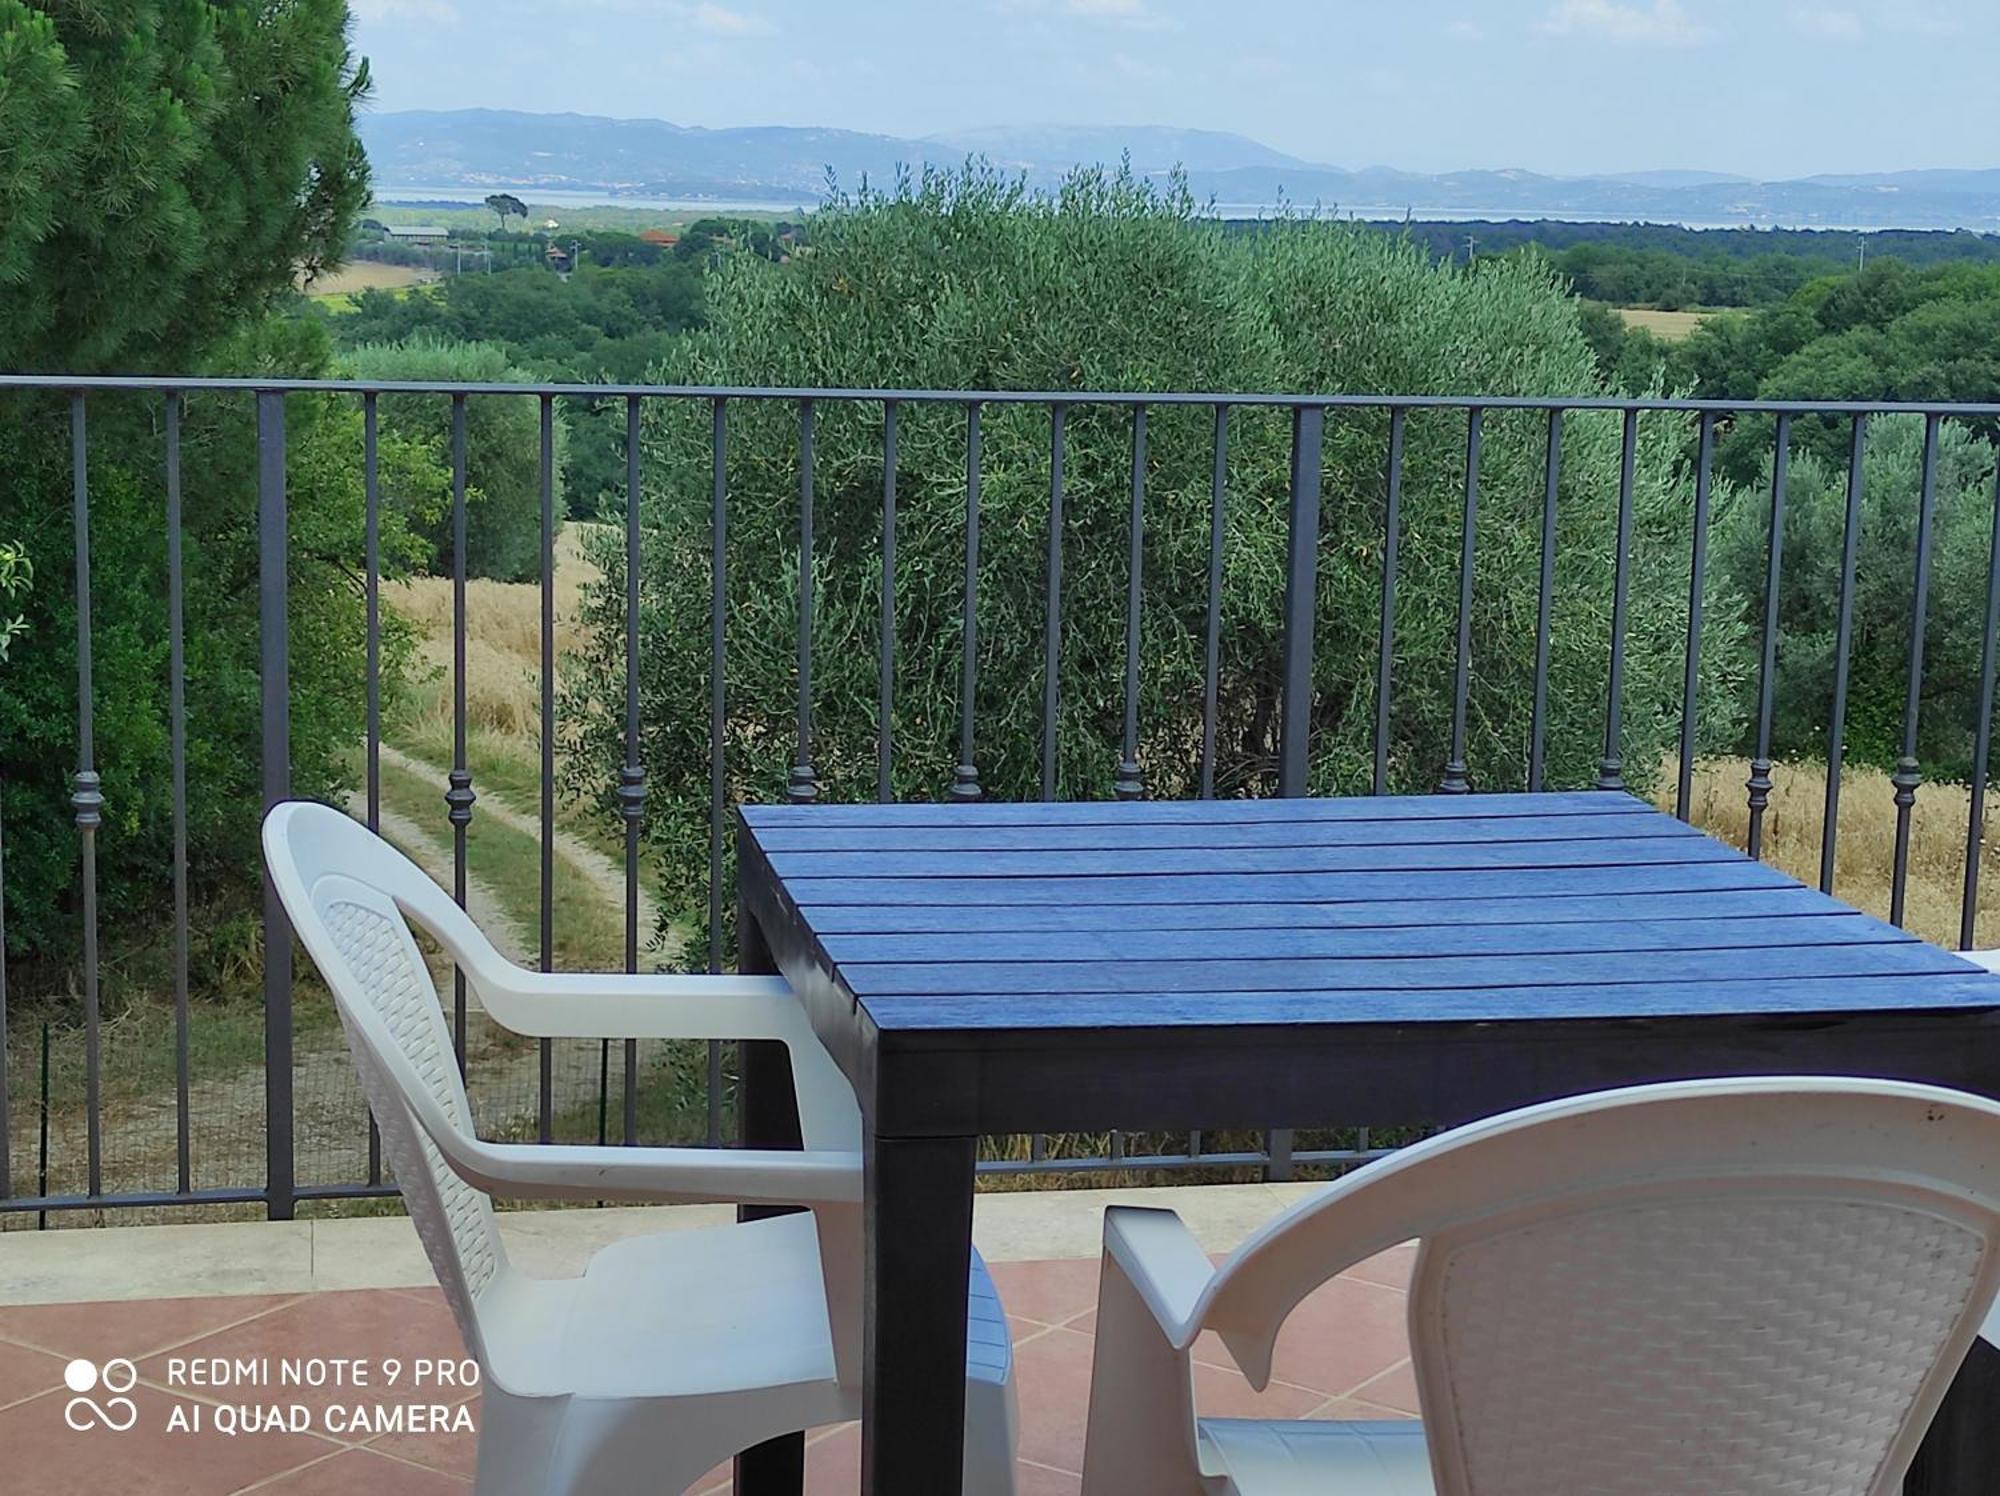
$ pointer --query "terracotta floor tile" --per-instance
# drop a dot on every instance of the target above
(1391, 1269)
(356, 1471)
(1342, 1335)
(833, 1462)
(1050, 1292)
(1395, 1388)
(1039, 1480)
(27, 1373)
(453, 1453)
(45, 1457)
(1354, 1410)
(369, 1326)
(134, 1330)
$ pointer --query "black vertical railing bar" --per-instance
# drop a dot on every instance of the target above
(1385, 642)
(86, 797)
(1610, 768)
(1301, 613)
(1211, 653)
(1455, 781)
(1301, 599)
(458, 796)
(965, 777)
(1052, 626)
(1908, 774)
(1697, 585)
(371, 583)
(274, 691)
(177, 756)
(718, 784)
(1545, 586)
(371, 587)
(1129, 785)
(1843, 639)
(1982, 736)
(1759, 783)
(885, 788)
(802, 787)
(545, 1049)
(632, 776)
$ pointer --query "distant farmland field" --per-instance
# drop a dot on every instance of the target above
(365, 275)
(1672, 326)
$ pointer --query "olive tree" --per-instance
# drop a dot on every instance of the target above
(970, 282)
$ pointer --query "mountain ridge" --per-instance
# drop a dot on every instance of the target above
(484, 150)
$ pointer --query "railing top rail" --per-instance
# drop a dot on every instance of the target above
(164, 383)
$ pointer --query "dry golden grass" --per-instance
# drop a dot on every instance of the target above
(366, 275)
(503, 643)
(1864, 841)
(1671, 326)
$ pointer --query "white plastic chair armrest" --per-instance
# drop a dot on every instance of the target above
(743, 1176)
(615, 1005)
(1990, 960)
(611, 1005)
(739, 1176)
(1164, 1264)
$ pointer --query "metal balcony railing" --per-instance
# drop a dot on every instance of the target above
(281, 1188)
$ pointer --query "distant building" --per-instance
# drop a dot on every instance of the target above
(660, 237)
(558, 258)
(428, 233)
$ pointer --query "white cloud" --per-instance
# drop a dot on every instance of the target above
(1134, 15)
(441, 12)
(714, 20)
(1826, 25)
(1660, 23)
(1465, 31)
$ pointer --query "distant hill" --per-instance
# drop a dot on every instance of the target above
(484, 150)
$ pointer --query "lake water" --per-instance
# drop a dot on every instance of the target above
(1375, 213)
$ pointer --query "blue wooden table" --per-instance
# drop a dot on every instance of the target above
(1215, 965)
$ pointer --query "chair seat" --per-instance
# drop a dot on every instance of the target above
(1260, 1457)
(674, 1314)
(759, 1319)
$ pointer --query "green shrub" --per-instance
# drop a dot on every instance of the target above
(969, 282)
(503, 443)
(38, 708)
(1809, 594)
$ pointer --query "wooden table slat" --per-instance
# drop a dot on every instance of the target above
(1002, 980)
(1222, 812)
(1226, 1010)
(1151, 835)
(1222, 862)
(1779, 900)
(1282, 888)
(851, 952)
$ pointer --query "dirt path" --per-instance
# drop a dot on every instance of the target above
(603, 874)
(486, 910)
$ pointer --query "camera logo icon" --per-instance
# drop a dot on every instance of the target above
(116, 1412)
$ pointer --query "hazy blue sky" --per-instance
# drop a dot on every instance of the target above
(1766, 87)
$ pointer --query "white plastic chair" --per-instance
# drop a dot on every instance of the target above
(673, 1351)
(1733, 1286)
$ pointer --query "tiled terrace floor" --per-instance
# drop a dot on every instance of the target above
(1343, 1354)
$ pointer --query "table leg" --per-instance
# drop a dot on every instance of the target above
(768, 1117)
(919, 1249)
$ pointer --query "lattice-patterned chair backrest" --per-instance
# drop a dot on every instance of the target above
(350, 896)
(1720, 1286)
